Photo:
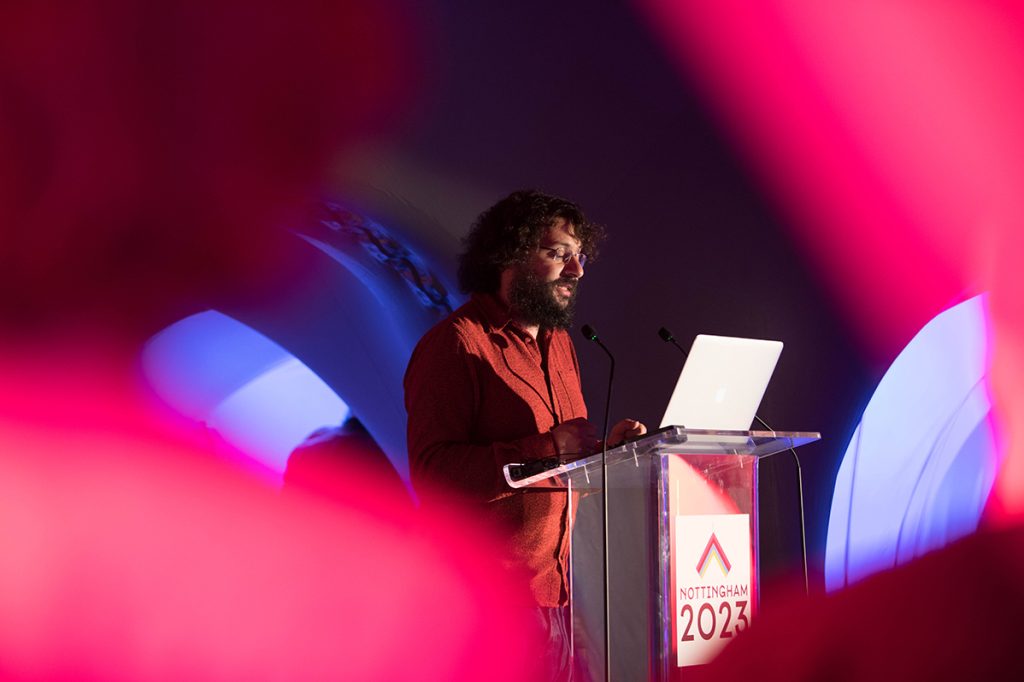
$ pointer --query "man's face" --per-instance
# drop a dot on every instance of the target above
(543, 289)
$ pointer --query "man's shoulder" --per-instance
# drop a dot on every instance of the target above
(462, 327)
(469, 317)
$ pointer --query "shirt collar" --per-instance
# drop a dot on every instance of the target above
(497, 316)
(495, 313)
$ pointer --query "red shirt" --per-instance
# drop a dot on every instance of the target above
(478, 398)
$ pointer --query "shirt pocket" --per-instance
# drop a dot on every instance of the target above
(570, 395)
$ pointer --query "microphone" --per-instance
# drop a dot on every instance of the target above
(667, 337)
(591, 335)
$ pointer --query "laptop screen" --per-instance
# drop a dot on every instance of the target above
(722, 383)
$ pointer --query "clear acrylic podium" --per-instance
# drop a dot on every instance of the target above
(683, 555)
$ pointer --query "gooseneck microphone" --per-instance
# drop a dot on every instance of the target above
(591, 335)
(667, 337)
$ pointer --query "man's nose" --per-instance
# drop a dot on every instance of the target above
(573, 268)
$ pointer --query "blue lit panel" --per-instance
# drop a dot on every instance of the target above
(257, 396)
(922, 461)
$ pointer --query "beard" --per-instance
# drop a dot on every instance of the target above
(535, 301)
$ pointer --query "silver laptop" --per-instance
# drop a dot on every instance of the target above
(722, 383)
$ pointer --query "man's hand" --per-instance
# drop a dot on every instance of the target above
(576, 436)
(627, 428)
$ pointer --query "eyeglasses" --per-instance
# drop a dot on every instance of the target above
(562, 254)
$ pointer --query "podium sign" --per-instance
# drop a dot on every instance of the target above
(682, 547)
(713, 595)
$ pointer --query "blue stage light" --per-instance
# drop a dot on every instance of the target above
(922, 461)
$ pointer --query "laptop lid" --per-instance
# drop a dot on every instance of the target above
(722, 383)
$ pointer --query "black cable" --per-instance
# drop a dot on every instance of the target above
(800, 496)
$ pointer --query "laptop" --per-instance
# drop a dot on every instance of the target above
(722, 383)
(719, 389)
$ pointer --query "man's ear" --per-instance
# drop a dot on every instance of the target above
(505, 282)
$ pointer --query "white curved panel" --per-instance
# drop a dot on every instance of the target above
(922, 461)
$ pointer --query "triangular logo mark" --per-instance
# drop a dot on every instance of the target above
(713, 552)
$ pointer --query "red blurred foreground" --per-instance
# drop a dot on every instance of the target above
(150, 152)
(951, 615)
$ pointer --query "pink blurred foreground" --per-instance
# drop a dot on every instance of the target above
(130, 555)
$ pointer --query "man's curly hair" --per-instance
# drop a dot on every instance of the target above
(509, 231)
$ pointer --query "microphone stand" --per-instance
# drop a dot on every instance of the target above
(591, 335)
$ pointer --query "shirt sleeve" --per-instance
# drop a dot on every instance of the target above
(442, 391)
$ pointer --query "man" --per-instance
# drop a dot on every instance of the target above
(498, 382)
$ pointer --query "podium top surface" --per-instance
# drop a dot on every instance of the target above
(669, 440)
